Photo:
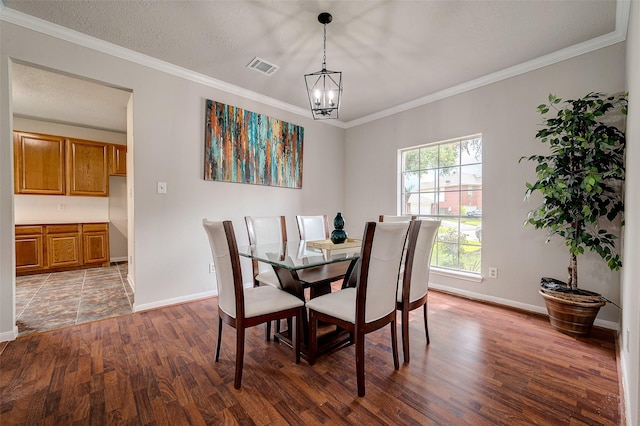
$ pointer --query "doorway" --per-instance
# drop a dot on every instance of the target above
(53, 103)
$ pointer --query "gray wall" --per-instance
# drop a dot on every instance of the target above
(505, 113)
(630, 290)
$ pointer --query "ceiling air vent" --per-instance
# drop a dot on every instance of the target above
(262, 66)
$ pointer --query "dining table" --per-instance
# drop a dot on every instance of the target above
(308, 264)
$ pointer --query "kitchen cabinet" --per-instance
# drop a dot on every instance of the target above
(95, 242)
(118, 160)
(55, 165)
(60, 247)
(87, 168)
(39, 164)
(29, 248)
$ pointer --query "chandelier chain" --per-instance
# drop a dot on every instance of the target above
(324, 49)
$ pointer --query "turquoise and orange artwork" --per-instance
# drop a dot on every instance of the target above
(246, 147)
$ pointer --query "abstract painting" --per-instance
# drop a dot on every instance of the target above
(246, 147)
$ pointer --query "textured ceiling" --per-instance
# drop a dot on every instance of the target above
(390, 52)
(43, 94)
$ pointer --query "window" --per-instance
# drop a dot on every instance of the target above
(444, 181)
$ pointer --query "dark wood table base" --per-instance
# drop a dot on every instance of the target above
(318, 280)
(330, 339)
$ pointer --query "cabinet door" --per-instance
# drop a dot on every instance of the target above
(63, 245)
(95, 243)
(118, 160)
(38, 164)
(87, 168)
(29, 249)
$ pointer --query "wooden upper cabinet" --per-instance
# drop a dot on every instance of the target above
(55, 165)
(118, 160)
(87, 168)
(39, 164)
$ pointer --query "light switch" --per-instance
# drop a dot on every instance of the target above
(162, 187)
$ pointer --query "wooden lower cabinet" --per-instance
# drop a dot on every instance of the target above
(95, 241)
(63, 245)
(29, 249)
(60, 247)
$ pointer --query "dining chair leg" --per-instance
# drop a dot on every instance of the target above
(268, 331)
(405, 335)
(360, 363)
(219, 338)
(426, 326)
(289, 325)
(313, 342)
(295, 335)
(394, 344)
(239, 356)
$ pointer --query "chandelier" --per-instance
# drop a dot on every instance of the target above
(324, 87)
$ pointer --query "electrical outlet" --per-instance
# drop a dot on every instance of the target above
(493, 272)
(212, 268)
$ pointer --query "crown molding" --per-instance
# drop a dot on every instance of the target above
(54, 30)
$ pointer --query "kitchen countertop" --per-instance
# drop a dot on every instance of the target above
(56, 222)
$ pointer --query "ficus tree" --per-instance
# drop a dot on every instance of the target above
(581, 178)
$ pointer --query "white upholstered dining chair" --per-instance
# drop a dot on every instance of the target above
(414, 281)
(371, 304)
(265, 230)
(390, 218)
(241, 307)
(313, 228)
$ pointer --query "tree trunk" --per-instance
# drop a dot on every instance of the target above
(573, 262)
(572, 282)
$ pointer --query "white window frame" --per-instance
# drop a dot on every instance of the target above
(457, 232)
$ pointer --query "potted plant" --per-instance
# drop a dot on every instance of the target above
(580, 181)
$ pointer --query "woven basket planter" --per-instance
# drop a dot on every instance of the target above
(572, 314)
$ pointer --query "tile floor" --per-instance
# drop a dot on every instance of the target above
(59, 299)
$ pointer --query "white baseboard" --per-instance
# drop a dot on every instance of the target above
(9, 335)
(174, 301)
(511, 303)
(118, 259)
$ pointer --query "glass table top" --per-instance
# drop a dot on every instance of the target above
(296, 255)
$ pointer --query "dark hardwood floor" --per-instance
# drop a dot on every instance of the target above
(485, 366)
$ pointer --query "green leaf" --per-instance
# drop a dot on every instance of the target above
(579, 178)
